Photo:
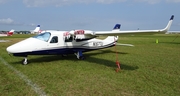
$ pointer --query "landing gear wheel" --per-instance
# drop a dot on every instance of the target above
(25, 61)
(81, 57)
(64, 55)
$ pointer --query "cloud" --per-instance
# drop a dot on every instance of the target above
(109, 1)
(175, 1)
(41, 3)
(36, 3)
(4, 1)
(6, 21)
(10, 21)
(149, 1)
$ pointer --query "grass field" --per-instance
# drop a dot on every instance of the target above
(147, 69)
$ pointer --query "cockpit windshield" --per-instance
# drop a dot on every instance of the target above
(44, 36)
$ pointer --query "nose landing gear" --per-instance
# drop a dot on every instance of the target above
(25, 61)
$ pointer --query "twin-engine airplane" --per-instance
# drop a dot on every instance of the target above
(10, 33)
(72, 42)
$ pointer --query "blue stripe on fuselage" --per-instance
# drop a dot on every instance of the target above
(61, 51)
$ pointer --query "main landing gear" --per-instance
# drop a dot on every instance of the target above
(25, 61)
(79, 55)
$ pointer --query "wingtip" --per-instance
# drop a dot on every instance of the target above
(172, 17)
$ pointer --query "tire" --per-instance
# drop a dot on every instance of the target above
(82, 57)
(24, 62)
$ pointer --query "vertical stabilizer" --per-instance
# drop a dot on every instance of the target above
(10, 33)
(37, 29)
(117, 27)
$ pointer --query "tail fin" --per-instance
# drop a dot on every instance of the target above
(10, 33)
(37, 29)
(168, 25)
(117, 27)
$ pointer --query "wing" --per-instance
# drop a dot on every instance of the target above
(136, 31)
(82, 34)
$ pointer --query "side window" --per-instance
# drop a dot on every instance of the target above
(54, 39)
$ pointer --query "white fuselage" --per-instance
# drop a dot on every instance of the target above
(46, 45)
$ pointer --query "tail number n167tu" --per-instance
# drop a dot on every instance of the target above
(97, 43)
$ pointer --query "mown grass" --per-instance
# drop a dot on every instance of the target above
(146, 69)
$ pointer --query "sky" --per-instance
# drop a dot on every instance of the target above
(93, 15)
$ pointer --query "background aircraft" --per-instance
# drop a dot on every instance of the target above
(72, 42)
(10, 33)
(36, 30)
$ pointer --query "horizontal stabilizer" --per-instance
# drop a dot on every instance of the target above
(119, 44)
